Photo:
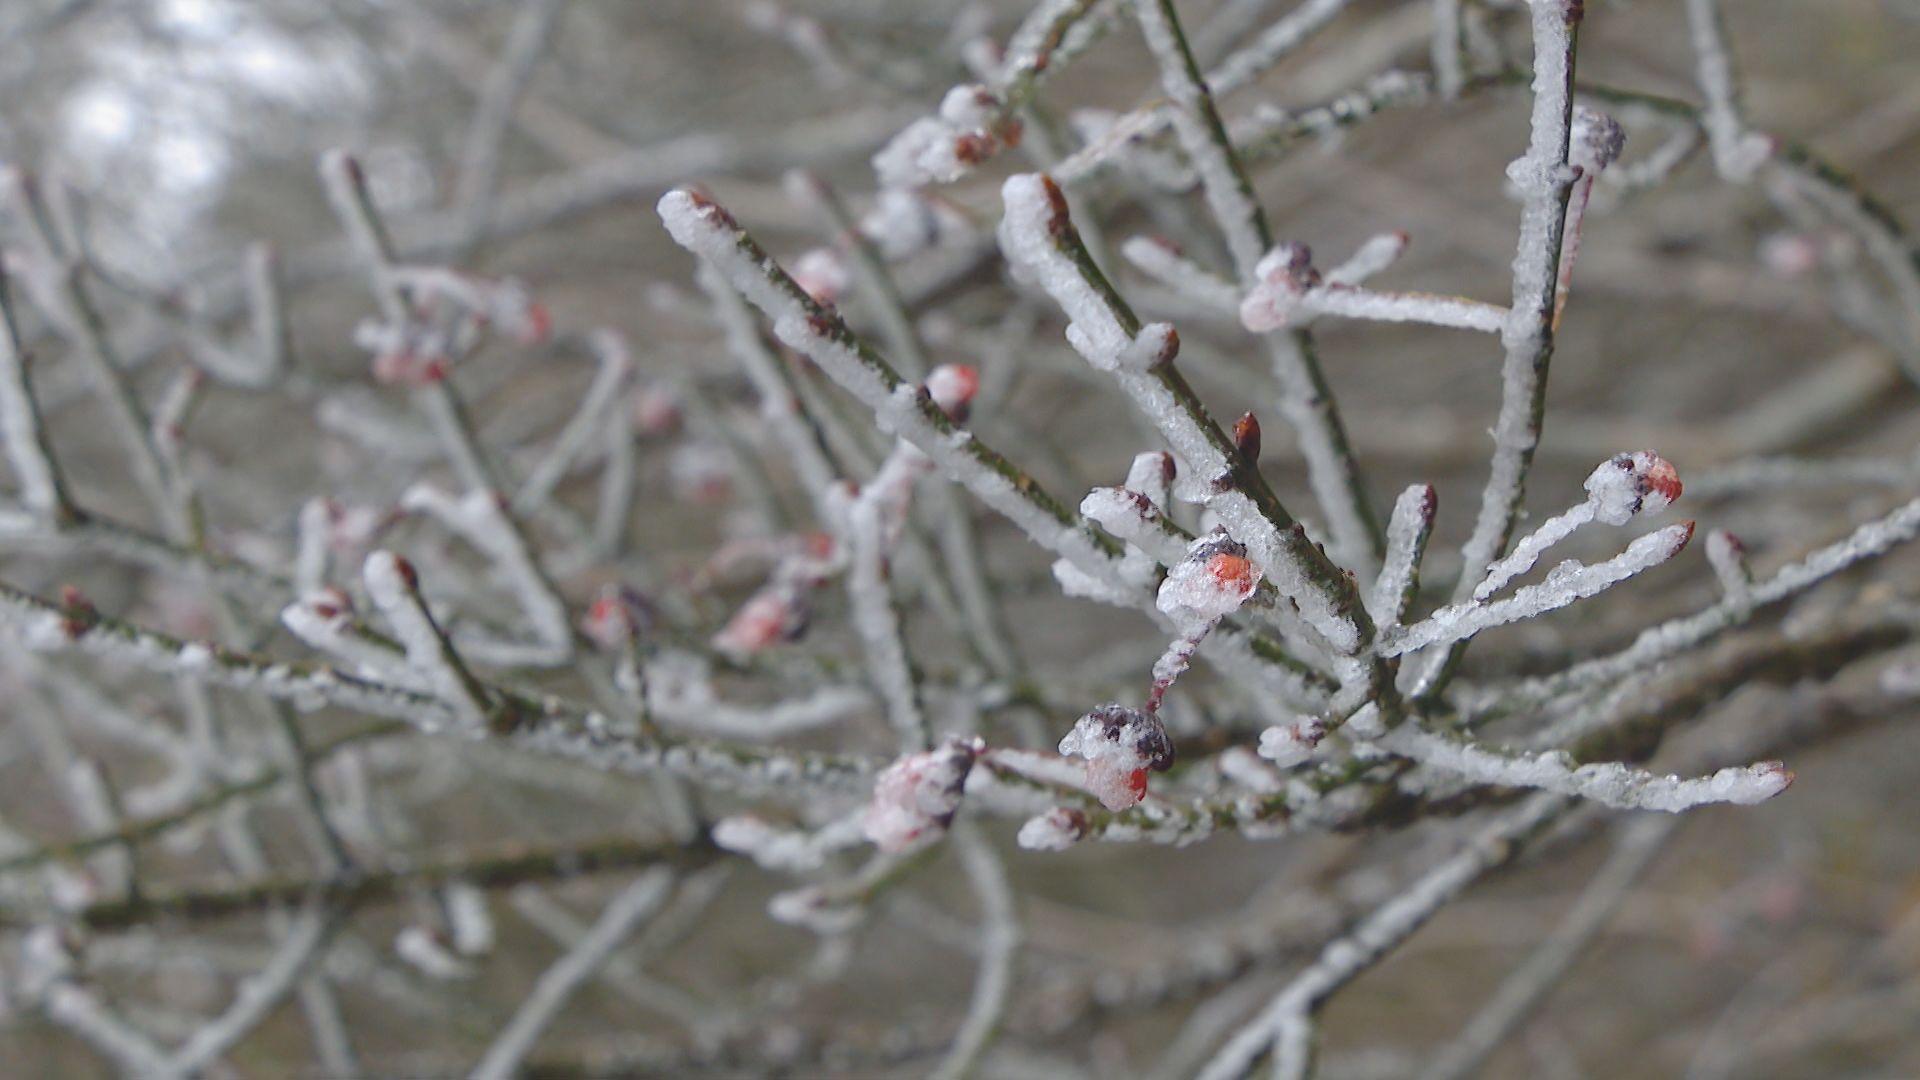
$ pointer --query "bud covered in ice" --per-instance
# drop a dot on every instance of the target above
(1213, 580)
(917, 796)
(1121, 746)
(1629, 484)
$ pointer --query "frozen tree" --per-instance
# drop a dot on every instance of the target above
(733, 557)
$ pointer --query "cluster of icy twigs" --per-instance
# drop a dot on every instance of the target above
(524, 626)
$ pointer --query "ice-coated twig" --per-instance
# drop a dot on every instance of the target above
(1737, 152)
(1567, 583)
(257, 997)
(1280, 37)
(604, 397)
(622, 916)
(482, 519)
(1407, 531)
(1285, 1026)
(873, 521)
(1161, 262)
(1448, 59)
(1594, 141)
(1307, 401)
(54, 278)
(1639, 843)
(260, 361)
(999, 945)
(29, 451)
(1620, 489)
(1039, 240)
(1728, 557)
(395, 589)
(1543, 179)
(479, 171)
(703, 228)
(1611, 784)
(1288, 291)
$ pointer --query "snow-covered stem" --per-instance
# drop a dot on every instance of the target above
(604, 395)
(1527, 338)
(483, 520)
(58, 285)
(80, 1012)
(1868, 540)
(260, 362)
(1449, 61)
(479, 171)
(1039, 238)
(1640, 842)
(394, 588)
(257, 997)
(1273, 44)
(1161, 262)
(870, 275)
(1566, 584)
(871, 523)
(29, 451)
(1407, 532)
(1737, 152)
(1307, 401)
(1000, 941)
(1285, 1026)
(618, 921)
(1268, 133)
(1610, 784)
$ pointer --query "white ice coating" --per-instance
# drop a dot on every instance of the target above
(1595, 140)
(1288, 745)
(324, 620)
(1287, 291)
(469, 922)
(1610, 784)
(1056, 830)
(1243, 767)
(1565, 584)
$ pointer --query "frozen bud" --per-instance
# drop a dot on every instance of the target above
(616, 617)
(1629, 484)
(1285, 274)
(1595, 140)
(1120, 746)
(770, 617)
(1151, 474)
(1056, 830)
(656, 410)
(1790, 255)
(917, 796)
(1287, 745)
(952, 386)
(77, 613)
(429, 954)
(972, 105)
(1212, 581)
(821, 274)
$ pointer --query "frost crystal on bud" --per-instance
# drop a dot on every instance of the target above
(1056, 830)
(773, 615)
(952, 386)
(1287, 745)
(616, 617)
(1120, 746)
(822, 274)
(917, 796)
(1641, 482)
(1214, 579)
(1595, 140)
(1285, 273)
